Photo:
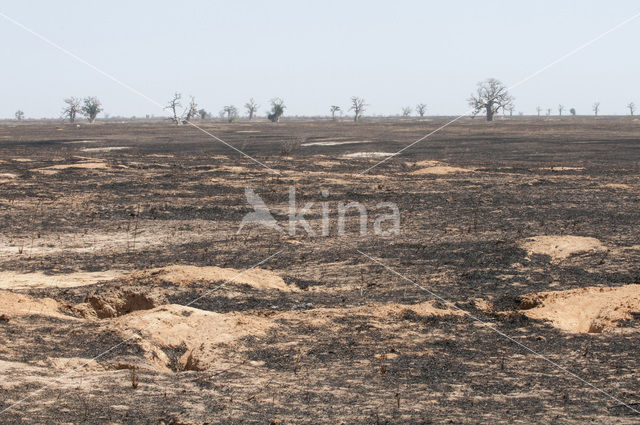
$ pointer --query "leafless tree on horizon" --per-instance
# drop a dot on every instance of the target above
(333, 109)
(358, 106)
(560, 109)
(406, 111)
(231, 112)
(596, 108)
(72, 109)
(492, 96)
(632, 108)
(421, 109)
(252, 107)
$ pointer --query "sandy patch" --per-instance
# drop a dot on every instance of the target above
(567, 168)
(248, 131)
(336, 143)
(21, 159)
(14, 280)
(185, 275)
(367, 155)
(84, 165)
(81, 141)
(237, 169)
(435, 168)
(617, 186)
(203, 335)
(584, 310)
(109, 149)
(12, 304)
(561, 247)
(439, 170)
(197, 332)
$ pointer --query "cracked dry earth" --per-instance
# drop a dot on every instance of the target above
(124, 237)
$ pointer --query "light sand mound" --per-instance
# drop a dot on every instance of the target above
(196, 332)
(617, 186)
(567, 168)
(561, 247)
(368, 155)
(14, 280)
(336, 143)
(436, 168)
(107, 149)
(585, 310)
(13, 304)
(185, 275)
(203, 337)
(84, 165)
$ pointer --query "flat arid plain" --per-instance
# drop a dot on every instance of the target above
(511, 294)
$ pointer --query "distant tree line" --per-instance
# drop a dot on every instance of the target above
(491, 98)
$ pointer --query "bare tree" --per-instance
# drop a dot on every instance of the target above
(277, 109)
(72, 109)
(191, 112)
(548, 112)
(91, 107)
(173, 106)
(333, 109)
(421, 109)
(596, 108)
(538, 110)
(358, 106)
(19, 115)
(510, 109)
(252, 107)
(560, 109)
(492, 96)
(632, 108)
(406, 111)
(182, 117)
(231, 112)
(203, 113)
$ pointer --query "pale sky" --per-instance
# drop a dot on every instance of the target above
(316, 54)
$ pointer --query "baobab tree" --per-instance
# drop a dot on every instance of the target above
(252, 107)
(277, 109)
(538, 110)
(72, 109)
(231, 112)
(596, 108)
(358, 106)
(572, 111)
(91, 108)
(632, 108)
(421, 109)
(492, 96)
(560, 109)
(333, 109)
(19, 115)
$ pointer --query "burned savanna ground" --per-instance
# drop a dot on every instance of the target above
(121, 240)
